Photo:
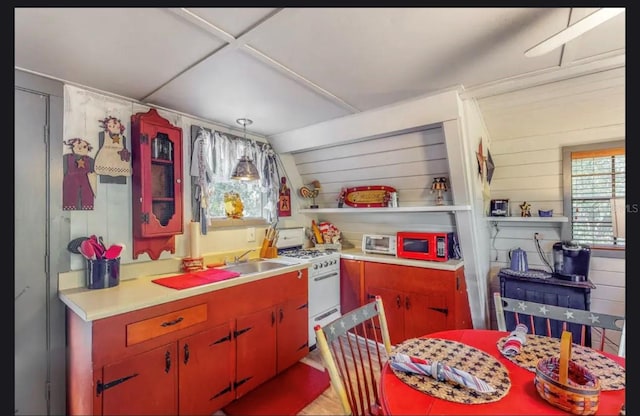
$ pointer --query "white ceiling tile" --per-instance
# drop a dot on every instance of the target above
(235, 85)
(129, 52)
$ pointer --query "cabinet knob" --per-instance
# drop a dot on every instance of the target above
(179, 180)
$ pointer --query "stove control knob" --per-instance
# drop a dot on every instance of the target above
(315, 266)
(326, 263)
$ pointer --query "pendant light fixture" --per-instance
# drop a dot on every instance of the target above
(245, 170)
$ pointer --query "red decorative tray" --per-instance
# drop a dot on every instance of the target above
(374, 196)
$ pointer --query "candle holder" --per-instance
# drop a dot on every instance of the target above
(439, 185)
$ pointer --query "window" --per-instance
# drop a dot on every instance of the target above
(214, 156)
(594, 180)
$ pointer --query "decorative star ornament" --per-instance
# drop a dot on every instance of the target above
(569, 314)
(522, 306)
(80, 163)
(594, 318)
(115, 138)
(544, 310)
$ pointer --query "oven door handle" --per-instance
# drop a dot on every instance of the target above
(326, 276)
(324, 315)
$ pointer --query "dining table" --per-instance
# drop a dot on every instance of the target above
(398, 397)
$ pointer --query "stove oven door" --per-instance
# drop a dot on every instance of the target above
(324, 290)
(322, 319)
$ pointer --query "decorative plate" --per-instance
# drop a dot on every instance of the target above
(374, 196)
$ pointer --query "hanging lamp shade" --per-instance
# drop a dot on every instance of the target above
(245, 170)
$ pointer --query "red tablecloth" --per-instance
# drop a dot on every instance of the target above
(398, 398)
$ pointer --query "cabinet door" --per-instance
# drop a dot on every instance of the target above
(145, 384)
(162, 194)
(292, 333)
(393, 302)
(255, 336)
(350, 285)
(207, 371)
(425, 313)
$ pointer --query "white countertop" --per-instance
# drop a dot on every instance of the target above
(140, 292)
(357, 254)
(136, 289)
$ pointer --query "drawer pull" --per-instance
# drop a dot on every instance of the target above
(186, 353)
(175, 321)
(305, 345)
(102, 387)
(281, 315)
(305, 305)
(167, 362)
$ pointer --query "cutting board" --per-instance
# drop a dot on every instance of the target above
(187, 280)
(368, 196)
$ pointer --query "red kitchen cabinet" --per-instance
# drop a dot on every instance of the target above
(206, 371)
(156, 158)
(350, 284)
(417, 300)
(256, 350)
(145, 384)
(191, 356)
(293, 345)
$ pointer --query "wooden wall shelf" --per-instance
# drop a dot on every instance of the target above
(431, 208)
(527, 219)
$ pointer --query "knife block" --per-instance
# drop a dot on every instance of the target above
(269, 252)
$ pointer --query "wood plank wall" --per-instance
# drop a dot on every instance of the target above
(408, 162)
(528, 129)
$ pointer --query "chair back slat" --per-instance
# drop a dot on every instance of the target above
(354, 361)
(588, 325)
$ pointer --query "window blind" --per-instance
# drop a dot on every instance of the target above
(597, 177)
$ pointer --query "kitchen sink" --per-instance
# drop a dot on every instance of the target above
(256, 266)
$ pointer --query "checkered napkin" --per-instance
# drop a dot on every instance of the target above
(515, 341)
(439, 371)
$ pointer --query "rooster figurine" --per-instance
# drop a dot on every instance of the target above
(311, 192)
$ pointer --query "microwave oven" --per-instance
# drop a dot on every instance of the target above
(379, 244)
(432, 246)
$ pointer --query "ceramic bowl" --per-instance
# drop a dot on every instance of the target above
(545, 213)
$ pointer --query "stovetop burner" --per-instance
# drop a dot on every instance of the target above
(300, 253)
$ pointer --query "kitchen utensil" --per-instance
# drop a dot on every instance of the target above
(519, 260)
(74, 245)
(98, 248)
(87, 249)
(113, 251)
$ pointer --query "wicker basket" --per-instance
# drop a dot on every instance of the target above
(565, 384)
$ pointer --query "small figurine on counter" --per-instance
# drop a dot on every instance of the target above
(341, 196)
(525, 209)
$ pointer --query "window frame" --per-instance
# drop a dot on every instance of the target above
(567, 229)
(218, 222)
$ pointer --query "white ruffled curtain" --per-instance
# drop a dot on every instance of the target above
(215, 155)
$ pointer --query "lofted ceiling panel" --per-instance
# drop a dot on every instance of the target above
(129, 52)
(234, 85)
(287, 68)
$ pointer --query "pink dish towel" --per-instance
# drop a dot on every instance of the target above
(515, 341)
(439, 371)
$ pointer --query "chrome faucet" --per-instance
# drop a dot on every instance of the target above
(237, 259)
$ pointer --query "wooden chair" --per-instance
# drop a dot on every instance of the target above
(354, 356)
(597, 323)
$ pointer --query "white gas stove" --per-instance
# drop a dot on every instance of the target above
(324, 277)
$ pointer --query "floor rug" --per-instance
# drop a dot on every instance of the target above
(286, 394)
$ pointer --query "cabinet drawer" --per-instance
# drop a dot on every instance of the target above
(164, 324)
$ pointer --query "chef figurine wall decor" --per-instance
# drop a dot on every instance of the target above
(284, 199)
(113, 161)
(79, 182)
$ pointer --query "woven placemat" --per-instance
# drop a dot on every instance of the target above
(611, 374)
(461, 356)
